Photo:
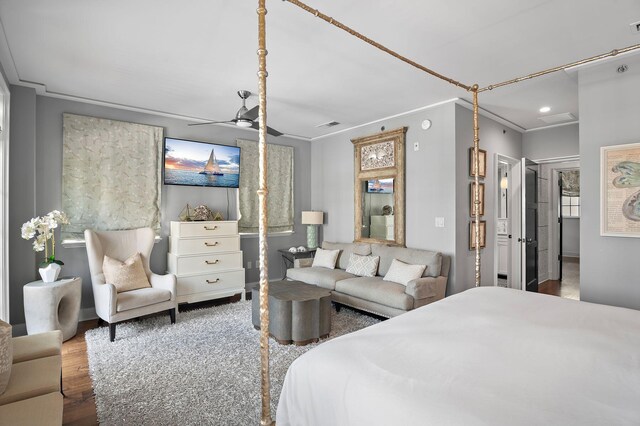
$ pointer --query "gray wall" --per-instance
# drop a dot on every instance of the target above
(37, 123)
(554, 142)
(430, 180)
(609, 112)
(22, 193)
(571, 236)
(495, 139)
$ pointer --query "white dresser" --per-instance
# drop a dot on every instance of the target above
(207, 260)
(382, 227)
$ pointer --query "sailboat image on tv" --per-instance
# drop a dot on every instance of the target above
(212, 167)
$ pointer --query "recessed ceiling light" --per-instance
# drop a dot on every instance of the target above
(545, 109)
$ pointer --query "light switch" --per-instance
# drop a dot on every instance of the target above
(416, 146)
(249, 265)
(439, 222)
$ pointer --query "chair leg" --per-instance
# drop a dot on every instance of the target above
(112, 331)
(100, 322)
(172, 314)
(61, 388)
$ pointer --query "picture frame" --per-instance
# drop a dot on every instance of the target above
(472, 206)
(620, 190)
(483, 234)
(483, 163)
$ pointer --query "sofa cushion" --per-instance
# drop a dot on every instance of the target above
(33, 378)
(26, 348)
(325, 258)
(375, 289)
(346, 249)
(322, 277)
(432, 259)
(142, 297)
(363, 266)
(41, 410)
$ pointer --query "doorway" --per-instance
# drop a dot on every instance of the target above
(507, 230)
(563, 228)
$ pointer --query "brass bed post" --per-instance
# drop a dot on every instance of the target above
(476, 179)
(262, 197)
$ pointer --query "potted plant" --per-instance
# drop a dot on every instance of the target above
(42, 229)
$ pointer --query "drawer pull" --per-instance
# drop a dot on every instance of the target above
(209, 262)
(208, 228)
(215, 243)
(213, 281)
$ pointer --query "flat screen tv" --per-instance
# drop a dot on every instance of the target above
(380, 186)
(194, 163)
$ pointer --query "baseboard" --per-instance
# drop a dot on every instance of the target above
(87, 314)
(19, 330)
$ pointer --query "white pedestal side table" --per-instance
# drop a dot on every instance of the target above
(53, 306)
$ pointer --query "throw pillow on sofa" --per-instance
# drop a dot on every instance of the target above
(401, 273)
(326, 258)
(125, 276)
(363, 266)
(6, 355)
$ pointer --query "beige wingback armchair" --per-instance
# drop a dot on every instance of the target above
(114, 307)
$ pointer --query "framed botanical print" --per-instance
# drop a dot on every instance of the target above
(482, 154)
(483, 234)
(472, 205)
(620, 190)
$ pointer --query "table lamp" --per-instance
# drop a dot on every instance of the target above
(312, 219)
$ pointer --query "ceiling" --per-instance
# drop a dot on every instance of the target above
(189, 58)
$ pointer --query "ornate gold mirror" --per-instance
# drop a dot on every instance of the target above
(379, 187)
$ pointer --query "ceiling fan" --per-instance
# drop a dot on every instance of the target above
(244, 117)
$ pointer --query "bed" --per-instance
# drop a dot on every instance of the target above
(486, 356)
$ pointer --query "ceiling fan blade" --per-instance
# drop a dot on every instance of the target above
(252, 114)
(214, 122)
(270, 130)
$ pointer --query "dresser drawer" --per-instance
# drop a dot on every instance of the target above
(182, 246)
(203, 229)
(211, 282)
(198, 264)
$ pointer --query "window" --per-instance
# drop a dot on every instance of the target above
(570, 180)
(570, 206)
(279, 183)
(110, 175)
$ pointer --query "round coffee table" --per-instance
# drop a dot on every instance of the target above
(299, 313)
(53, 306)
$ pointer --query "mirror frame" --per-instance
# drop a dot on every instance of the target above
(395, 170)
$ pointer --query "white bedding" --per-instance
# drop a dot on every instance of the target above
(487, 356)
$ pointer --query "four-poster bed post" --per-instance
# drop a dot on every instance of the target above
(262, 193)
(262, 198)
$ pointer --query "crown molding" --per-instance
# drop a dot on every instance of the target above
(551, 126)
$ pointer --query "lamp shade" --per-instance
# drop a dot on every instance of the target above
(312, 218)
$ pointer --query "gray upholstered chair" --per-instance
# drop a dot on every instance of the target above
(114, 307)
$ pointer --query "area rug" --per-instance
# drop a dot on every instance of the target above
(203, 370)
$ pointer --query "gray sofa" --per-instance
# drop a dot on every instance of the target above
(372, 294)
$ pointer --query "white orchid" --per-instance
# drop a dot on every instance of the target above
(42, 228)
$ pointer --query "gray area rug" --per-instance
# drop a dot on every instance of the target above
(202, 370)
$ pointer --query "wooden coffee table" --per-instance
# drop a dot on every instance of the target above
(299, 313)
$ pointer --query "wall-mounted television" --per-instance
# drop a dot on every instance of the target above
(380, 186)
(194, 163)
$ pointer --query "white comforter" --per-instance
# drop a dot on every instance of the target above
(487, 356)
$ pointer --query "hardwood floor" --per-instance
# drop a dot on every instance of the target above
(79, 401)
(569, 287)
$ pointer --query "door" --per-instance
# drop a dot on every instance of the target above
(560, 226)
(529, 229)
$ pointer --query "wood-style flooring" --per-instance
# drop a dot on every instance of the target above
(79, 402)
(569, 287)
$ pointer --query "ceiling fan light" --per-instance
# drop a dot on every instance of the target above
(244, 123)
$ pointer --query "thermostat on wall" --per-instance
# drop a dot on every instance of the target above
(426, 124)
